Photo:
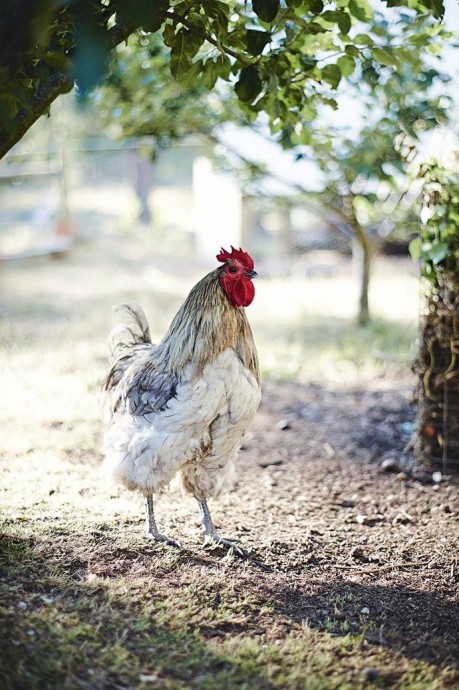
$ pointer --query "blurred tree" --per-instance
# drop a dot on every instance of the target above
(281, 56)
(364, 164)
(138, 98)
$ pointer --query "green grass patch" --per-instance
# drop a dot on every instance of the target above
(199, 627)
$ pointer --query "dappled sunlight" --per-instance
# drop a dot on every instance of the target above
(57, 315)
(73, 541)
(306, 327)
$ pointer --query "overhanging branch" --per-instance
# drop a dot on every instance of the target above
(57, 84)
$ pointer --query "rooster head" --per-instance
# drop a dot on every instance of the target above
(236, 276)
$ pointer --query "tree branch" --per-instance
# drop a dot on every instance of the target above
(57, 84)
(180, 19)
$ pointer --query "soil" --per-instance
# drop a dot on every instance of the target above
(345, 526)
(348, 541)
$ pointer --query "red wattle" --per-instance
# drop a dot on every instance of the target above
(240, 293)
(244, 292)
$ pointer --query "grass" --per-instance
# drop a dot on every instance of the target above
(66, 626)
(85, 601)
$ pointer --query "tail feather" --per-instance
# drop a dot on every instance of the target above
(131, 328)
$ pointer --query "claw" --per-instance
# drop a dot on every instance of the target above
(212, 538)
(215, 540)
(156, 536)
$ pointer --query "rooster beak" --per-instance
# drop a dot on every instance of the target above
(251, 274)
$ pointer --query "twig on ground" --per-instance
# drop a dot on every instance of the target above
(381, 568)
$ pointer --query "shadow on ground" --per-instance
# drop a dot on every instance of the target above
(85, 635)
(419, 624)
(63, 623)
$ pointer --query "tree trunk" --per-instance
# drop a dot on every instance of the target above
(143, 185)
(56, 85)
(363, 254)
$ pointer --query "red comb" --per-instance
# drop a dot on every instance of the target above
(237, 255)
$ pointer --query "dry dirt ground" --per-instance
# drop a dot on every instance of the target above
(350, 582)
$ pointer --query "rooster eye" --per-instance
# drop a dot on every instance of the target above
(232, 269)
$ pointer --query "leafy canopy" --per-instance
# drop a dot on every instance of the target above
(282, 56)
(399, 93)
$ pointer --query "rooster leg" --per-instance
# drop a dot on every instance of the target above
(211, 535)
(152, 529)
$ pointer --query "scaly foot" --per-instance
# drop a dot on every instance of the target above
(151, 528)
(215, 540)
(211, 537)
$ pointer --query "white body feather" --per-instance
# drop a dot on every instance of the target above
(199, 432)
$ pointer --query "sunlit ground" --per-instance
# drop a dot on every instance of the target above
(56, 315)
(89, 599)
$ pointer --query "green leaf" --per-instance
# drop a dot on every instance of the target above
(208, 76)
(352, 51)
(406, 55)
(330, 102)
(361, 10)
(338, 17)
(215, 68)
(344, 23)
(415, 248)
(218, 11)
(314, 28)
(418, 40)
(438, 252)
(363, 39)
(223, 66)
(309, 113)
(346, 65)
(384, 57)
(436, 7)
(191, 75)
(434, 49)
(169, 35)
(332, 75)
(307, 63)
(266, 10)
(315, 6)
(180, 59)
(249, 85)
(257, 40)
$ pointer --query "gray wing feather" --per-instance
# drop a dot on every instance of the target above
(136, 383)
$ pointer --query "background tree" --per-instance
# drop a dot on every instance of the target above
(280, 56)
(397, 95)
(366, 167)
(138, 98)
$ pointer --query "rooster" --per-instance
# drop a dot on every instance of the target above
(184, 405)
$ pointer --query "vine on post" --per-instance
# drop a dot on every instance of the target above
(437, 365)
